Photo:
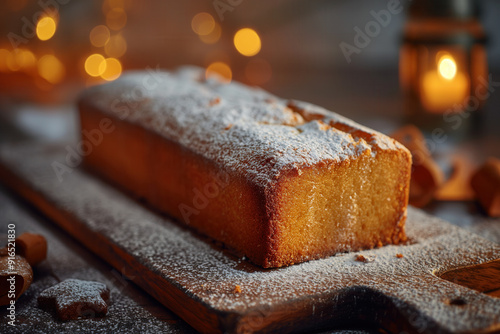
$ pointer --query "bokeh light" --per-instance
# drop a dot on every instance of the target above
(213, 36)
(203, 24)
(51, 69)
(25, 59)
(220, 70)
(258, 71)
(116, 18)
(247, 42)
(95, 65)
(46, 28)
(11, 62)
(99, 36)
(113, 69)
(109, 5)
(4, 56)
(116, 46)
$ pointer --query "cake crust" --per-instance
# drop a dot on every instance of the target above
(263, 175)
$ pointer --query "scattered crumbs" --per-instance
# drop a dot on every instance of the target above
(214, 101)
(127, 310)
(365, 259)
(237, 289)
(360, 258)
(206, 273)
(228, 127)
(399, 255)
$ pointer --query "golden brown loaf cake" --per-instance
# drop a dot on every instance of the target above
(275, 180)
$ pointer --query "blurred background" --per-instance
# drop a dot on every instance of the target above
(49, 49)
(383, 63)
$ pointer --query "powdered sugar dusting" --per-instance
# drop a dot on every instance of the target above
(210, 276)
(67, 296)
(129, 310)
(242, 129)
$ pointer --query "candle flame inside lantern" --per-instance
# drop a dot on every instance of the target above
(444, 87)
(447, 67)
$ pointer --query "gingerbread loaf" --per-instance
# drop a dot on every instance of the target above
(277, 181)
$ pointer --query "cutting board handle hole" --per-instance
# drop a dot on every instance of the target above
(484, 277)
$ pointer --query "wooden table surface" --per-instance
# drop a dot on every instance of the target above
(373, 99)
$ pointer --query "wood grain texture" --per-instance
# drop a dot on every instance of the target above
(130, 310)
(197, 280)
(484, 277)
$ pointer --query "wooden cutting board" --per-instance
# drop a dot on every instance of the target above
(200, 282)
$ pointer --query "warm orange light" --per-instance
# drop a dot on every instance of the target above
(113, 69)
(247, 42)
(116, 19)
(46, 28)
(203, 24)
(447, 67)
(25, 59)
(213, 36)
(95, 65)
(258, 71)
(16, 5)
(116, 46)
(444, 87)
(51, 69)
(11, 62)
(4, 56)
(99, 36)
(112, 4)
(220, 70)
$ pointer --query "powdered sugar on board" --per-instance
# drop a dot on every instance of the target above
(242, 129)
(74, 298)
(209, 276)
(129, 309)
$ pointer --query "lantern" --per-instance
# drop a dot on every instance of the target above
(443, 67)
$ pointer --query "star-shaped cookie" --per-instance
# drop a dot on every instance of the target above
(74, 299)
